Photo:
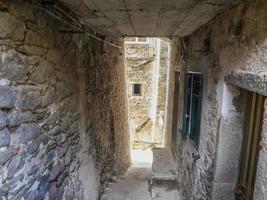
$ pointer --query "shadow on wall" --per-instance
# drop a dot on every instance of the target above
(54, 87)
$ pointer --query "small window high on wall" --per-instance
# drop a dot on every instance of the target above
(192, 106)
(137, 89)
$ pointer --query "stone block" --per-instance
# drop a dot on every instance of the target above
(43, 187)
(42, 72)
(7, 97)
(61, 138)
(53, 191)
(28, 99)
(34, 146)
(4, 137)
(62, 177)
(33, 170)
(28, 132)
(3, 120)
(31, 196)
(16, 182)
(15, 165)
(32, 50)
(25, 12)
(14, 66)
(48, 97)
(61, 150)
(54, 172)
(51, 154)
(15, 119)
(11, 27)
(5, 155)
(68, 157)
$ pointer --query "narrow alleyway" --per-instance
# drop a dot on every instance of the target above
(140, 182)
(133, 100)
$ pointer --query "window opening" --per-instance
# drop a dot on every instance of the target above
(137, 89)
(192, 106)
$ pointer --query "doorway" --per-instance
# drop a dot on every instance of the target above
(250, 146)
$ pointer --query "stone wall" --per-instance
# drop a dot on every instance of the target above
(162, 89)
(63, 119)
(139, 61)
(233, 41)
(147, 65)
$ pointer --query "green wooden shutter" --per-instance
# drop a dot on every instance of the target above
(196, 108)
(187, 100)
(192, 106)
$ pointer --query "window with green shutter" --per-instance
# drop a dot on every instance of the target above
(192, 106)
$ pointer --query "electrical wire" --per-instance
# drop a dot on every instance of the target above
(77, 25)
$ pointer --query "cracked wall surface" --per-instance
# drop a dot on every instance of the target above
(63, 118)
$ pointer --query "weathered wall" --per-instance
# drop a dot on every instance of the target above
(147, 65)
(234, 40)
(139, 59)
(63, 119)
(175, 65)
(162, 89)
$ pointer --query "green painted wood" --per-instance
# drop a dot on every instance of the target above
(192, 107)
(187, 99)
(196, 108)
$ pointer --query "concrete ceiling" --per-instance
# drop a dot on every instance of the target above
(147, 17)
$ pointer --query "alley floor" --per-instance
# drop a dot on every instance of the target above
(137, 184)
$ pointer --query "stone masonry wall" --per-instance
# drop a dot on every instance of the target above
(63, 119)
(234, 40)
(141, 63)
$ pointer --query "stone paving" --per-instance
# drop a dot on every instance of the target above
(137, 183)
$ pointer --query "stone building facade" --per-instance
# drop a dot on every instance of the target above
(230, 53)
(146, 63)
(63, 125)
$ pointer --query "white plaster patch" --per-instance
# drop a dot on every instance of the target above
(229, 93)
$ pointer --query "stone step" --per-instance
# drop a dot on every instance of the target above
(163, 168)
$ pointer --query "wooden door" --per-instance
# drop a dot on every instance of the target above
(250, 146)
